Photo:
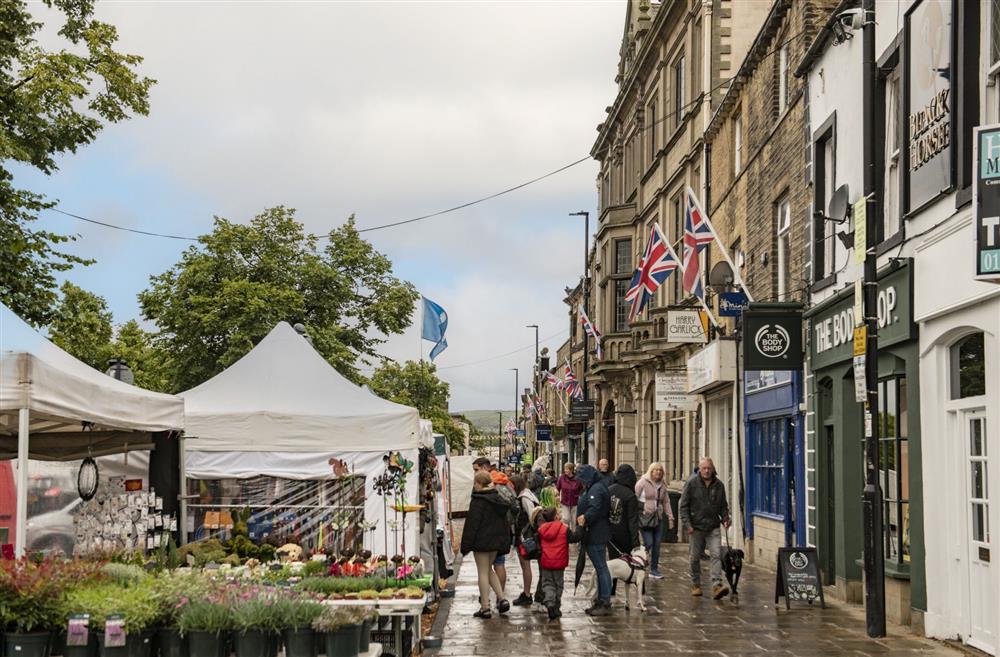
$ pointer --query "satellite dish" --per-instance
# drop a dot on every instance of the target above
(721, 275)
(838, 204)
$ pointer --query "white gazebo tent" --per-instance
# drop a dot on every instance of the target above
(283, 411)
(54, 407)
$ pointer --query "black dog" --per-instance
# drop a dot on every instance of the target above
(732, 564)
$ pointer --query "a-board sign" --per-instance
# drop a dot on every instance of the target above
(798, 577)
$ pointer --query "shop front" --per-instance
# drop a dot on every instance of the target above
(835, 446)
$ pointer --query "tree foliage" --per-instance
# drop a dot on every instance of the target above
(227, 293)
(52, 101)
(416, 384)
(81, 326)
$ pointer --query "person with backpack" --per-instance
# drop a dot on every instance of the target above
(569, 493)
(555, 538)
(526, 503)
(505, 490)
(624, 516)
(652, 493)
(487, 533)
(593, 516)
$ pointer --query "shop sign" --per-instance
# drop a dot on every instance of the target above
(927, 128)
(732, 304)
(558, 432)
(758, 380)
(671, 392)
(685, 326)
(580, 410)
(713, 365)
(832, 326)
(772, 338)
(860, 230)
(986, 201)
(543, 432)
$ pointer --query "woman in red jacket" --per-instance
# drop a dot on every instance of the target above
(555, 538)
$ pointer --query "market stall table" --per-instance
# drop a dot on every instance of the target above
(396, 610)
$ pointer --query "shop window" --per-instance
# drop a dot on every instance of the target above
(767, 458)
(968, 367)
(894, 467)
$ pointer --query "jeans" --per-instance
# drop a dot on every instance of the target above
(696, 545)
(551, 582)
(599, 557)
(487, 578)
(652, 539)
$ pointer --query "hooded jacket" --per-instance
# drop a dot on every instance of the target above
(702, 506)
(555, 538)
(624, 512)
(486, 527)
(646, 489)
(594, 506)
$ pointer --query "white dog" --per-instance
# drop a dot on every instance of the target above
(631, 572)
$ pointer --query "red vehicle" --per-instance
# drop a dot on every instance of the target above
(8, 503)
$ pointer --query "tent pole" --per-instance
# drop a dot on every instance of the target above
(22, 482)
(183, 512)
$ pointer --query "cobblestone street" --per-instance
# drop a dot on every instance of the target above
(673, 623)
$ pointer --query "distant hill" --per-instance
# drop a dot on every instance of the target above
(486, 421)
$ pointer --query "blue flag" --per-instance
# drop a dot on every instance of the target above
(435, 324)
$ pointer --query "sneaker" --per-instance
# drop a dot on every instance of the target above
(655, 574)
(599, 609)
(523, 600)
(696, 591)
(484, 614)
(719, 591)
(503, 606)
(539, 608)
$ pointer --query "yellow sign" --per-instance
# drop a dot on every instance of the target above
(860, 223)
(860, 340)
(703, 316)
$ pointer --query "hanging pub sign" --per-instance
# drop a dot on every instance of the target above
(772, 336)
(986, 201)
(927, 122)
(732, 304)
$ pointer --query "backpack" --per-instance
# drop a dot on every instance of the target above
(509, 498)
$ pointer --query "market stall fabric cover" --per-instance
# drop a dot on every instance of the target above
(285, 400)
(60, 392)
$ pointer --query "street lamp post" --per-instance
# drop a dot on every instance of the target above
(586, 306)
(499, 435)
(537, 368)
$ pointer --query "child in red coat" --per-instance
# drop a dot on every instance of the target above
(555, 538)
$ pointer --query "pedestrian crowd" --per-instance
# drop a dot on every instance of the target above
(613, 515)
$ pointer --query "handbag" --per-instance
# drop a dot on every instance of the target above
(649, 520)
(530, 547)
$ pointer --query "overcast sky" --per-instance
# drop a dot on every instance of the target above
(388, 110)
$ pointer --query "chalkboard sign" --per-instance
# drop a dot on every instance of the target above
(798, 576)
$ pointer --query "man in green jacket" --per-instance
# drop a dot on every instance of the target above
(703, 509)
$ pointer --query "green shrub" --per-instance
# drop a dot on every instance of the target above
(137, 604)
(295, 613)
(256, 614)
(205, 616)
(314, 568)
(124, 574)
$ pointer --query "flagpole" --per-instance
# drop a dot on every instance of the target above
(722, 247)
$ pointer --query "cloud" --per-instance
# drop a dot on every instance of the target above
(384, 109)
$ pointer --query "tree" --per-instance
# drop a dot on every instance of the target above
(81, 326)
(135, 346)
(227, 293)
(416, 384)
(52, 101)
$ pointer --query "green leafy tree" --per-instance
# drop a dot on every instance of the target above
(52, 102)
(417, 384)
(226, 294)
(135, 346)
(81, 326)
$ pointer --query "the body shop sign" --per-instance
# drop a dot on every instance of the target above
(772, 337)
(987, 202)
(831, 325)
(928, 101)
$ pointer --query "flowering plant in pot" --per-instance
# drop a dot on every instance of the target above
(206, 624)
(172, 591)
(296, 613)
(342, 630)
(130, 608)
(254, 620)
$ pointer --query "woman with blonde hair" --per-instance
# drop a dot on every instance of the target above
(651, 489)
(487, 533)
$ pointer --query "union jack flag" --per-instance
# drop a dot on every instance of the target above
(553, 380)
(657, 264)
(510, 429)
(698, 235)
(539, 406)
(571, 385)
(529, 407)
(592, 331)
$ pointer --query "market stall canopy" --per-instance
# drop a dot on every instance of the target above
(284, 397)
(61, 394)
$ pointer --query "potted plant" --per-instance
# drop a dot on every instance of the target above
(255, 623)
(32, 602)
(206, 624)
(342, 630)
(132, 609)
(296, 614)
(368, 616)
(172, 591)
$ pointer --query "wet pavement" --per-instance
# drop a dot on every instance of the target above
(674, 622)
